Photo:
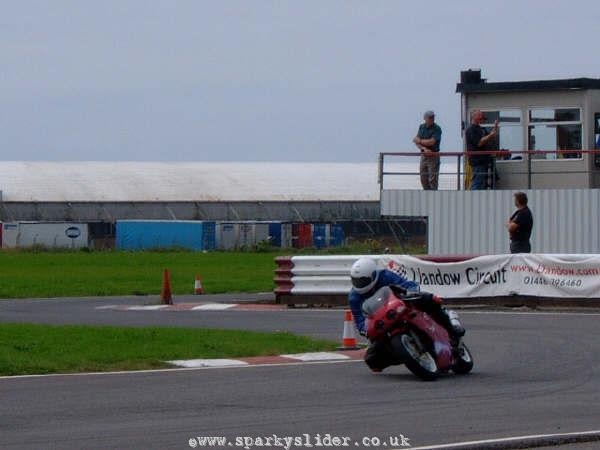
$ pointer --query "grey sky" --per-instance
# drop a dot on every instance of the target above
(264, 80)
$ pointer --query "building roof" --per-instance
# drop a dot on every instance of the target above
(528, 86)
(39, 181)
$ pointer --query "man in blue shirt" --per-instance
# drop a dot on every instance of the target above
(366, 280)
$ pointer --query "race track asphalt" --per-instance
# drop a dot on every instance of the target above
(534, 373)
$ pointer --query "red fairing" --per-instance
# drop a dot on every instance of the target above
(383, 321)
(438, 335)
(391, 316)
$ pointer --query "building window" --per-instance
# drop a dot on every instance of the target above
(511, 132)
(557, 130)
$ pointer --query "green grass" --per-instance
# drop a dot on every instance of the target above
(102, 273)
(42, 349)
(41, 274)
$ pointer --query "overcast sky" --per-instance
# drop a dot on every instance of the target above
(321, 80)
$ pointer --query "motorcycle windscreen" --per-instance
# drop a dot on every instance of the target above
(376, 301)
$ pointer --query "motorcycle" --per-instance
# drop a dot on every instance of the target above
(411, 336)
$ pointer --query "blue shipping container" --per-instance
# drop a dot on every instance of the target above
(337, 236)
(320, 232)
(150, 234)
(209, 236)
(275, 233)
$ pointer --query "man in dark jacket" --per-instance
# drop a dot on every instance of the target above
(520, 225)
(477, 140)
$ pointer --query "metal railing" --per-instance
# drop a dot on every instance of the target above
(454, 172)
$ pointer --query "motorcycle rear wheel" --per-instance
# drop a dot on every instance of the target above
(416, 358)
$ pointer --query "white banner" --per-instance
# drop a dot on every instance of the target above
(541, 275)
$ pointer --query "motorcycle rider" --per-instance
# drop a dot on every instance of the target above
(366, 279)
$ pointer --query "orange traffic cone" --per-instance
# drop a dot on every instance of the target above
(349, 336)
(198, 286)
(165, 293)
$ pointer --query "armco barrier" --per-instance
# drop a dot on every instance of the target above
(570, 280)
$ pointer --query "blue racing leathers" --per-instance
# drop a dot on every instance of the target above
(385, 278)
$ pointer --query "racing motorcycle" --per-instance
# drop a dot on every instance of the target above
(412, 337)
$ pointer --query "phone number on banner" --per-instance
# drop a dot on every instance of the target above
(557, 282)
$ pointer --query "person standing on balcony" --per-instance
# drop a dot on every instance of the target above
(428, 140)
(478, 139)
(519, 225)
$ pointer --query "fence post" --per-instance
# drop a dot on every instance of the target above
(528, 155)
(380, 174)
(458, 172)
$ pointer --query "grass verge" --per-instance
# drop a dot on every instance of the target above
(37, 273)
(72, 274)
(42, 349)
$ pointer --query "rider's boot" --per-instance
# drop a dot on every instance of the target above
(452, 324)
(377, 357)
(445, 317)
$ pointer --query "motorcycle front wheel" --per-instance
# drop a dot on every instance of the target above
(415, 356)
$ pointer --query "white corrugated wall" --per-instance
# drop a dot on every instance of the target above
(472, 222)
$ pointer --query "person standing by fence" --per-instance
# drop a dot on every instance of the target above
(519, 225)
(427, 141)
(477, 140)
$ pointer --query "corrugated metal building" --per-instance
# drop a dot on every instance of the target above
(187, 181)
(107, 191)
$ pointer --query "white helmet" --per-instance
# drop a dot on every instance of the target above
(364, 275)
